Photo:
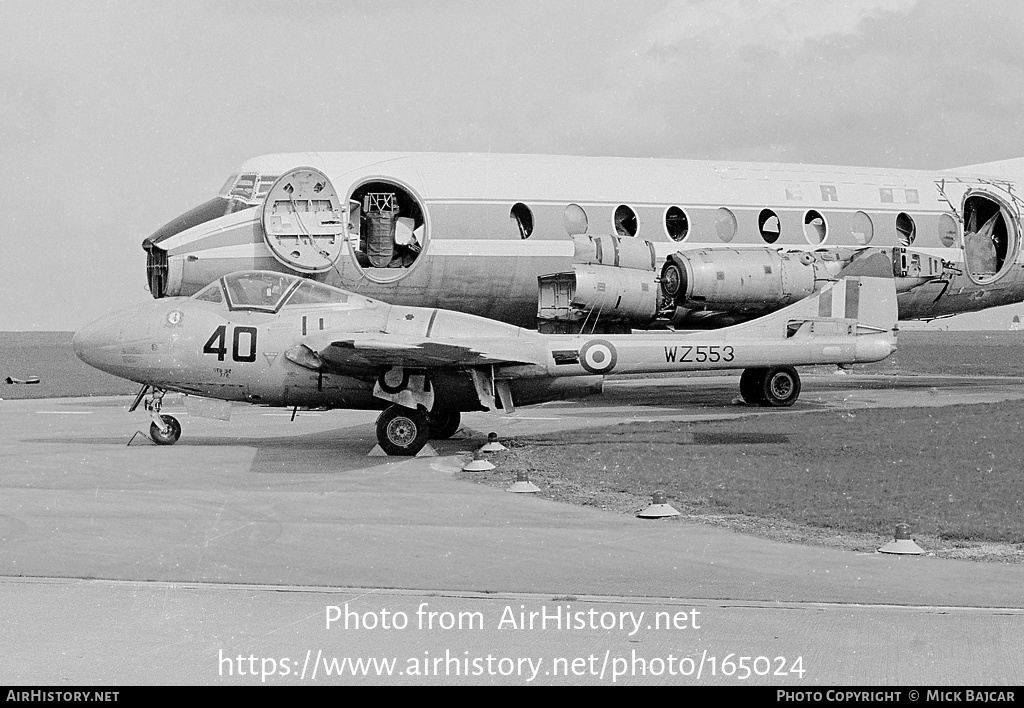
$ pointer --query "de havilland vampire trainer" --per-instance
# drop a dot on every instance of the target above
(278, 339)
(599, 244)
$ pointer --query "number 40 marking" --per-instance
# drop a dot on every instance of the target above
(217, 343)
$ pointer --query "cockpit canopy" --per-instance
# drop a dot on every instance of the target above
(267, 291)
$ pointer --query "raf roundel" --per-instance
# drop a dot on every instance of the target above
(598, 356)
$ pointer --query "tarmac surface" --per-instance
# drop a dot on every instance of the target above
(239, 554)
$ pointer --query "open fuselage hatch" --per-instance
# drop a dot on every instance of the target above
(389, 228)
(991, 240)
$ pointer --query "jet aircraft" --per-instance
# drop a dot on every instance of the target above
(602, 245)
(280, 339)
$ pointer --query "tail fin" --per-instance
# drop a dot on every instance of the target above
(868, 302)
(860, 309)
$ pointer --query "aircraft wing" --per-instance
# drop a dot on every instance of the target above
(363, 353)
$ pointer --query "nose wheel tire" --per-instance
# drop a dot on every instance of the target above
(402, 431)
(170, 435)
(444, 424)
(780, 387)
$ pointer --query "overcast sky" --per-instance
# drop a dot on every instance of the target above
(117, 116)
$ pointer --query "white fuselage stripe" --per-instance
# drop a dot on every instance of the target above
(526, 248)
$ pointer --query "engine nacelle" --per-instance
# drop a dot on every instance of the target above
(622, 292)
(596, 292)
(612, 251)
(741, 281)
(612, 286)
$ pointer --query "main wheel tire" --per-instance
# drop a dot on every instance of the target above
(172, 434)
(402, 431)
(751, 382)
(444, 424)
(781, 387)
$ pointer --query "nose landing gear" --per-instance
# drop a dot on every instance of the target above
(168, 434)
(165, 429)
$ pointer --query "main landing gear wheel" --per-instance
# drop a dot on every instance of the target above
(751, 382)
(443, 424)
(780, 387)
(775, 386)
(170, 435)
(402, 431)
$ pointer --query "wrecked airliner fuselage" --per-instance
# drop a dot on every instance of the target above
(567, 244)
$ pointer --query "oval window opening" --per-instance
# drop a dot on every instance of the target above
(575, 220)
(863, 228)
(522, 220)
(625, 221)
(948, 230)
(677, 226)
(725, 224)
(815, 228)
(387, 228)
(991, 240)
(769, 226)
(906, 229)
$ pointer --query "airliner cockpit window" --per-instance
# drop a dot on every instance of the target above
(257, 290)
(388, 224)
(248, 187)
(313, 293)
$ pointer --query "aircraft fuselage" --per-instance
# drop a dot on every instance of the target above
(475, 232)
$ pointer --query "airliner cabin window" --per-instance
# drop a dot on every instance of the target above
(522, 220)
(815, 228)
(863, 229)
(676, 224)
(948, 230)
(725, 224)
(575, 220)
(626, 223)
(906, 230)
(769, 226)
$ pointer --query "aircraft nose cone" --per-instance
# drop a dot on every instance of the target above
(96, 343)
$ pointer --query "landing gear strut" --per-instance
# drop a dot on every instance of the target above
(774, 386)
(165, 429)
(402, 431)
